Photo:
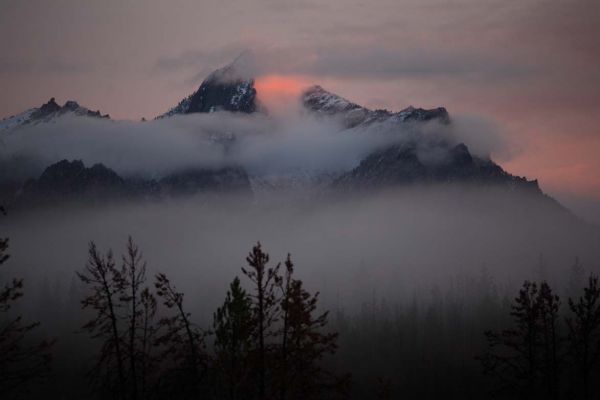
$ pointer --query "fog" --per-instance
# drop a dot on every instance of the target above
(446, 258)
(260, 143)
(395, 244)
(401, 241)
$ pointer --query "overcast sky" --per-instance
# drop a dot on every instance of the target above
(530, 67)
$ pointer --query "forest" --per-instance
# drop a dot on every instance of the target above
(136, 338)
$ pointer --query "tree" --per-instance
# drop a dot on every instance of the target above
(20, 361)
(549, 304)
(105, 282)
(123, 320)
(526, 357)
(141, 309)
(513, 354)
(182, 341)
(286, 305)
(306, 346)
(233, 327)
(264, 305)
(584, 332)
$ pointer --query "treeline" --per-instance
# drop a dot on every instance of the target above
(270, 340)
(267, 343)
(543, 355)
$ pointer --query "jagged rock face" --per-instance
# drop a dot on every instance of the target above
(220, 91)
(223, 180)
(47, 112)
(403, 164)
(321, 102)
(73, 181)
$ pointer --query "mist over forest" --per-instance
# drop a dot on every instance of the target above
(267, 239)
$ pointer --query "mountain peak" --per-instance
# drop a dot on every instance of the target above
(317, 99)
(322, 102)
(223, 90)
(47, 112)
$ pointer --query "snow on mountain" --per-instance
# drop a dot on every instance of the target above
(321, 102)
(223, 90)
(47, 112)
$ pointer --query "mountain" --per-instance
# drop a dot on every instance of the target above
(46, 112)
(403, 164)
(410, 158)
(415, 159)
(319, 101)
(223, 90)
(73, 181)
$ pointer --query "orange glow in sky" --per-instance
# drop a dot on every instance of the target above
(279, 91)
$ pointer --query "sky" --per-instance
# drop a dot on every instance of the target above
(528, 67)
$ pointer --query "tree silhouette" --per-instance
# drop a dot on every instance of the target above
(123, 320)
(584, 332)
(141, 309)
(233, 327)
(20, 361)
(525, 358)
(513, 354)
(105, 283)
(549, 304)
(286, 306)
(264, 305)
(182, 342)
(305, 344)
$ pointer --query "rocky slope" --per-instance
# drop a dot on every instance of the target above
(47, 112)
(73, 181)
(320, 101)
(223, 90)
(416, 159)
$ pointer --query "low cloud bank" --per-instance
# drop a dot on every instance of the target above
(261, 144)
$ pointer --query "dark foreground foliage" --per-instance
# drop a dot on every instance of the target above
(22, 359)
(267, 343)
(269, 339)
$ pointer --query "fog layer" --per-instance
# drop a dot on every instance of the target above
(395, 244)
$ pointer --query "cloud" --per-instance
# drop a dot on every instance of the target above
(293, 143)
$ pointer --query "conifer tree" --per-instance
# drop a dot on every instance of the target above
(584, 333)
(233, 327)
(105, 283)
(526, 357)
(513, 354)
(549, 304)
(304, 343)
(123, 320)
(264, 307)
(141, 309)
(182, 342)
(307, 344)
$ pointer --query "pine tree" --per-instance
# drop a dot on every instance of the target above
(584, 333)
(105, 283)
(307, 345)
(124, 314)
(549, 304)
(182, 342)
(303, 343)
(233, 327)
(513, 354)
(264, 306)
(141, 309)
